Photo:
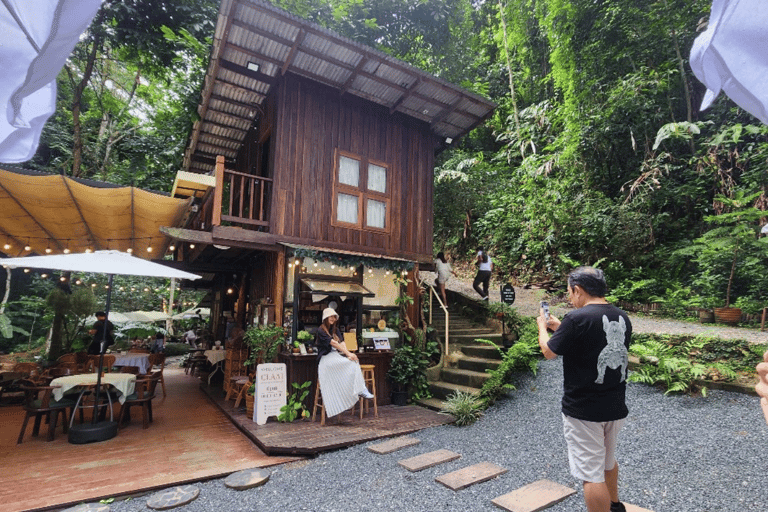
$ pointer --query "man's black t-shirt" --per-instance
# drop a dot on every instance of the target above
(593, 341)
(95, 347)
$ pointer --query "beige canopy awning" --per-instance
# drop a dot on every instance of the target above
(48, 214)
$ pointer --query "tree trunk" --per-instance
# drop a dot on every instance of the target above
(509, 71)
(730, 279)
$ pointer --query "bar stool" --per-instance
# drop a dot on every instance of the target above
(369, 378)
(318, 403)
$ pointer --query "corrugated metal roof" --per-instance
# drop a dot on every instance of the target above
(253, 33)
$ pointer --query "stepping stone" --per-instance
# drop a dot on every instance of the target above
(89, 507)
(174, 497)
(635, 508)
(247, 479)
(393, 445)
(428, 460)
(470, 475)
(533, 497)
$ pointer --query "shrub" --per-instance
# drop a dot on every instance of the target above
(465, 407)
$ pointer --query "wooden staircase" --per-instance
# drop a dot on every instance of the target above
(468, 373)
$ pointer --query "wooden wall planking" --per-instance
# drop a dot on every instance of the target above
(311, 122)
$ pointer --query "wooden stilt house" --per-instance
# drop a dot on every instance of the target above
(311, 168)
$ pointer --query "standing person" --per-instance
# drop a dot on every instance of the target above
(190, 337)
(97, 331)
(594, 341)
(338, 370)
(484, 269)
(159, 344)
(444, 272)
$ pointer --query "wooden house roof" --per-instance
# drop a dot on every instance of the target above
(255, 43)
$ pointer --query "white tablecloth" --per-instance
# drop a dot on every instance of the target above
(215, 356)
(133, 359)
(124, 383)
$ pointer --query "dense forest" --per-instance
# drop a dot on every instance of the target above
(597, 153)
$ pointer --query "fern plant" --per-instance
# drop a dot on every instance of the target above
(661, 364)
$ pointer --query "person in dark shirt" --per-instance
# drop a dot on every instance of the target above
(593, 341)
(97, 331)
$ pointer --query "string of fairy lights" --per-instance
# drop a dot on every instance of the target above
(90, 246)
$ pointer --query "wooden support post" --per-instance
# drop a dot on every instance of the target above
(218, 192)
(762, 322)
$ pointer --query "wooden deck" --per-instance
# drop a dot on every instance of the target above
(189, 440)
(307, 438)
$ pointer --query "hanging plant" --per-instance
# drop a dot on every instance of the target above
(349, 260)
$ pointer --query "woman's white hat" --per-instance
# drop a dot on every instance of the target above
(329, 312)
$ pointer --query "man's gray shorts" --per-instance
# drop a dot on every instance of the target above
(591, 447)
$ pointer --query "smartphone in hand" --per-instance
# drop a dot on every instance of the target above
(545, 307)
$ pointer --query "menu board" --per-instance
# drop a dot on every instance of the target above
(270, 391)
(507, 294)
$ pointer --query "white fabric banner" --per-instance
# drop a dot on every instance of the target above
(36, 38)
(732, 55)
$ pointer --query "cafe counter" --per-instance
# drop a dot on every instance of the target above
(301, 368)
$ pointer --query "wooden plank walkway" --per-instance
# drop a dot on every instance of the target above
(190, 440)
(308, 438)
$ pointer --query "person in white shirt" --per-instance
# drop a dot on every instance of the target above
(190, 337)
(484, 269)
(444, 272)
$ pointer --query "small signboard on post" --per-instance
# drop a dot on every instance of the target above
(271, 389)
(508, 294)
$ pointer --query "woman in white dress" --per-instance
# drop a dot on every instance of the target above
(338, 370)
(444, 272)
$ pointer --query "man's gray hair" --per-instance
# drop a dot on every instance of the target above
(591, 280)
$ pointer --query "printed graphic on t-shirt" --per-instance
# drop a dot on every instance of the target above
(614, 355)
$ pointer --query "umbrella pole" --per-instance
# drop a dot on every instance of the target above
(97, 431)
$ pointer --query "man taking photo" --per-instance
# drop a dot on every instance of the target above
(593, 341)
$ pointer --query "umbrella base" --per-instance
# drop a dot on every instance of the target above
(92, 432)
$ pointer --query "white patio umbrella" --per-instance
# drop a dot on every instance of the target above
(101, 262)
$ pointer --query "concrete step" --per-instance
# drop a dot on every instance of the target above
(463, 339)
(469, 378)
(478, 364)
(482, 351)
(443, 390)
(434, 404)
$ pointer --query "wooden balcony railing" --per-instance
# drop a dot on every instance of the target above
(240, 198)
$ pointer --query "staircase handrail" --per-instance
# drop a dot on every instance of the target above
(432, 292)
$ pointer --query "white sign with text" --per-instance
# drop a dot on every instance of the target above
(270, 391)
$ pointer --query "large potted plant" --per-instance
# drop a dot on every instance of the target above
(722, 250)
(407, 372)
(264, 342)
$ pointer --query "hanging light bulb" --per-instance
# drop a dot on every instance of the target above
(93, 285)
(296, 262)
(130, 250)
(26, 271)
(27, 247)
(66, 250)
(88, 250)
(149, 248)
(172, 247)
(62, 279)
(7, 246)
(78, 282)
(48, 250)
(44, 276)
(191, 246)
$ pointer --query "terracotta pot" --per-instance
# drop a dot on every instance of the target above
(249, 399)
(730, 316)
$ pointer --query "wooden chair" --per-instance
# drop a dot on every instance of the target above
(143, 395)
(109, 362)
(31, 371)
(318, 405)
(369, 377)
(39, 402)
(62, 371)
(130, 369)
(67, 358)
(158, 360)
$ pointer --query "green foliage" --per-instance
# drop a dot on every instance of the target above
(304, 336)
(407, 371)
(294, 407)
(465, 407)
(176, 349)
(521, 357)
(264, 342)
(75, 307)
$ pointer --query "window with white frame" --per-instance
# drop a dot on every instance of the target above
(361, 192)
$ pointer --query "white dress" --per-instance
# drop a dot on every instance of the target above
(341, 382)
(443, 271)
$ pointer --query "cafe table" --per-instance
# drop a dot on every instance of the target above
(124, 383)
(216, 358)
(133, 359)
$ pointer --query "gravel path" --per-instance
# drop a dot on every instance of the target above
(677, 454)
(527, 304)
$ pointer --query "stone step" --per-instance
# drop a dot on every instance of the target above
(443, 390)
(434, 404)
(428, 460)
(392, 445)
(477, 364)
(469, 378)
(534, 497)
(481, 351)
(472, 339)
(471, 475)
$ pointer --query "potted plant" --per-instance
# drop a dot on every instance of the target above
(406, 371)
(264, 342)
(295, 408)
(720, 250)
(510, 321)
(250, 397)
